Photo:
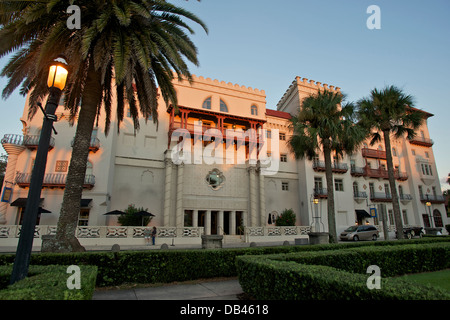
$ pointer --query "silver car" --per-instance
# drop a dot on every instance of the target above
(355, 233)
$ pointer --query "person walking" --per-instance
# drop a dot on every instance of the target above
(147, 235)
(153, 235)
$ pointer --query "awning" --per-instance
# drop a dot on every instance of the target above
(85, 203)
(362, 214)
(22, 202)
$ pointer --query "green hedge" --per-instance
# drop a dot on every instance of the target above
(162, 266)
(47, 283)
(336, 275)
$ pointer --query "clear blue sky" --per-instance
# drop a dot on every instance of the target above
(265, 44)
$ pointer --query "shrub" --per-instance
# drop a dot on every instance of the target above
(131, 219)
(287, 218)
(47, 283)
(340, 274)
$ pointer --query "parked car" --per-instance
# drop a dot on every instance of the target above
(355, 233)
(411, 232)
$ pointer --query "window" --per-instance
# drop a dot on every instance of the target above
(405, 217)
(394, 152)
(61, 166)
(318, 187)
(207, 104)
(426, 169)
(387, 190)
(83, 218)
(427, 155)
(338, 185)
(421, 192)
(285, 186)
(413, 152)
(282, 136)
(372, 189)
(391, 217)
(268, 134)
(215, 179)
(283, 157)
(254, 110)
(223, 106)
(355, 189)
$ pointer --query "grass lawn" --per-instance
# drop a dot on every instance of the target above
(439, 279)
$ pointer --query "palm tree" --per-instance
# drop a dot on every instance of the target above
(322, 124)
(124, 48)
(389, 111)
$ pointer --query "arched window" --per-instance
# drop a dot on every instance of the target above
(254, 110)
(223, 106)
(437, 218)
(207, 104)
(355, 189)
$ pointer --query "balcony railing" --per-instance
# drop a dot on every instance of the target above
(357, 171)
(432, 198)
(243, 135)
(380, 197)
(16, 139)
(383, 173)
(320, 193)
(336, 167)
(94, 145)
(52, 180)
(359, 195)
(373, 153)
(421, 141)
(32, 142)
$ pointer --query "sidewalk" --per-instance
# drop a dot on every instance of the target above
(207, 290)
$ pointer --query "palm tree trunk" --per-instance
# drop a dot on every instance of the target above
(330, 195)
(65, 240)
(395, 200)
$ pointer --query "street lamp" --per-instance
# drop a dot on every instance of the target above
(428, 204)
(56, 82)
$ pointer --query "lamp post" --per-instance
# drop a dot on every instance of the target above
(56, 82)
(428, 204)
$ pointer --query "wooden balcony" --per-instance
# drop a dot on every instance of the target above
(52, 180)
(383, 174)
(336, 167)
(239, 135)
(373, 153)
(421, 141)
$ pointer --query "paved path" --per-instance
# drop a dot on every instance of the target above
(207, 290)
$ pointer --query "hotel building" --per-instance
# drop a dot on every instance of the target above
(217, 164)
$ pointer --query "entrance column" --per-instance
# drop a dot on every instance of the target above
(262, 200)
(232, 222)
(253, 204)
(208, 222)
(220, 223)
(195, 218)
(179, 213)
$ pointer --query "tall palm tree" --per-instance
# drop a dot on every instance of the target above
(389, 111)
(324, 124)
(130, 47)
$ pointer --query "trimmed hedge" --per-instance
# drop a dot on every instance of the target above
(162, 266)
(337, 275)
(47, 283)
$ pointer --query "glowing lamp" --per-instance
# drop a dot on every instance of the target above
(57, 75)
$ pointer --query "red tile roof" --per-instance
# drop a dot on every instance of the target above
(278, 114)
